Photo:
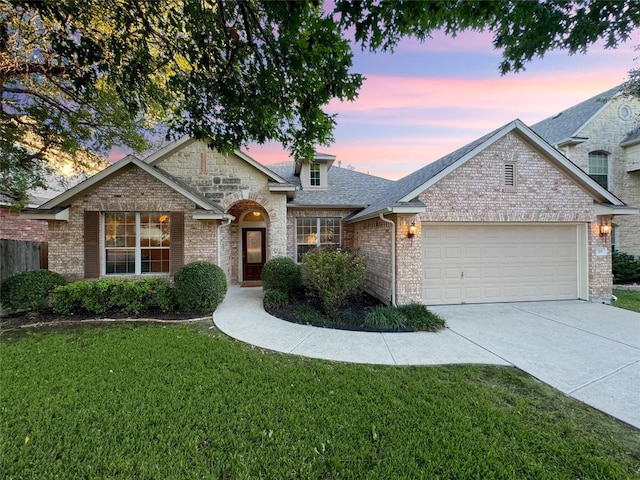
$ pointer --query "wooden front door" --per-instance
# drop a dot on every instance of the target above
(254, 253)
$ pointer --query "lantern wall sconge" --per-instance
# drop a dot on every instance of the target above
(605, 230)
(412, 230)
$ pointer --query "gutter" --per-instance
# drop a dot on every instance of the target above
(393, 258)
(229, 219)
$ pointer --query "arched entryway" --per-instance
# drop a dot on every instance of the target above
(253, 245)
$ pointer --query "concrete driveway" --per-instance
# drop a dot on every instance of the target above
(587, 350)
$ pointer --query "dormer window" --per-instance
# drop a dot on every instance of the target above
(314, 175)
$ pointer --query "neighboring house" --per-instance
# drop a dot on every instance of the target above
(23, 242)
(602, 136)
(505, 218)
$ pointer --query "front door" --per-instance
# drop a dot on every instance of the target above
(253, 253)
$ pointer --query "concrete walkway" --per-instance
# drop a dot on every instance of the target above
(588, 351)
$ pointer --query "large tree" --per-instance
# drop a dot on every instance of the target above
(94, 74)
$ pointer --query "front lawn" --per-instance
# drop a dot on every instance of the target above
(151, 401)
(627, 299)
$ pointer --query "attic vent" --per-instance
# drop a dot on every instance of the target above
(510, 174)
(557, 115)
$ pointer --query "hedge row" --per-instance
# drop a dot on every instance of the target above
(198, 287)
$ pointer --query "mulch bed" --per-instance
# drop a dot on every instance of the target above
(349, 317)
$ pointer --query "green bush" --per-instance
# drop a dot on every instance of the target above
(115, 296)
(29, 290)
(333, 275)
(407, 316)
(385, 317)
(420, 318)
(281, 273)
(199, 286)
(626, 268)
(275, 298)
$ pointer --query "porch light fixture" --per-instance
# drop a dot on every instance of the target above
(605, 230)
(412, 230)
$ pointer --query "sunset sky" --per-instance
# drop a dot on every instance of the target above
(426, 100)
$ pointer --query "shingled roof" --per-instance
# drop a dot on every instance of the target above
(347, 188)
(568, 123)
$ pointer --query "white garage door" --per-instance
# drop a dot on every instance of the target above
(499, 263)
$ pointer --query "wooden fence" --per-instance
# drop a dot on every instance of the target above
(18, 255)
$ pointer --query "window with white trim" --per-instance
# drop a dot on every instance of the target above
(136, 243)
(312, 232)
(314, 175)
(599, 167)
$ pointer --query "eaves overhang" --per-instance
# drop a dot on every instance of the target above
(397, 209)
(211, 215)
(46, 214)
(608, 209)
(287, 188)
(324, 206)
(570, 141)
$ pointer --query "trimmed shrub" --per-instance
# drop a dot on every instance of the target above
(420, 318)
(281, 273)
(29, 290)
(274, 299)
(111, 295)
(626, 268)
(333, 275)
(199, 286)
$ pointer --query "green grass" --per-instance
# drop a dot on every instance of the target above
(150, 401)
(627, 299)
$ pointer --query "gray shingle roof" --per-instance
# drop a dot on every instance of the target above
(567, 123)
(345, 187)
(632, 137)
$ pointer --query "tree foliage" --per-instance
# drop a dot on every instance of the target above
(94, 74)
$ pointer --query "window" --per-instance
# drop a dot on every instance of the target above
(510, 175)
(314, 174)
(136, 243)
(316, 232)
(599, 168)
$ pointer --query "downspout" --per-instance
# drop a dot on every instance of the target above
(393, 258)
(229, 220)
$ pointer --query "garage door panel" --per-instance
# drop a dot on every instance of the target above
(494, 263)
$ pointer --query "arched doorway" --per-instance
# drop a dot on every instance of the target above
(253, 241)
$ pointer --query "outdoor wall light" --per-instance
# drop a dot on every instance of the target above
(412, 230)
(605, 230)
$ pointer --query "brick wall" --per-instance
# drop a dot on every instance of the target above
(12, 227)
(229, 180)
(373, 239)
(129, 190)
(474, 193)
(605, 132)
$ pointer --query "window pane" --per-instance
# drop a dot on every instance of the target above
(314, 172)
(120, 261)
(598, 163)
(154, 260)
(254, 247)
(124, 240)
(314, 232)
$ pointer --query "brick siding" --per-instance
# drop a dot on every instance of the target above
(474, 193)
(12, 227)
